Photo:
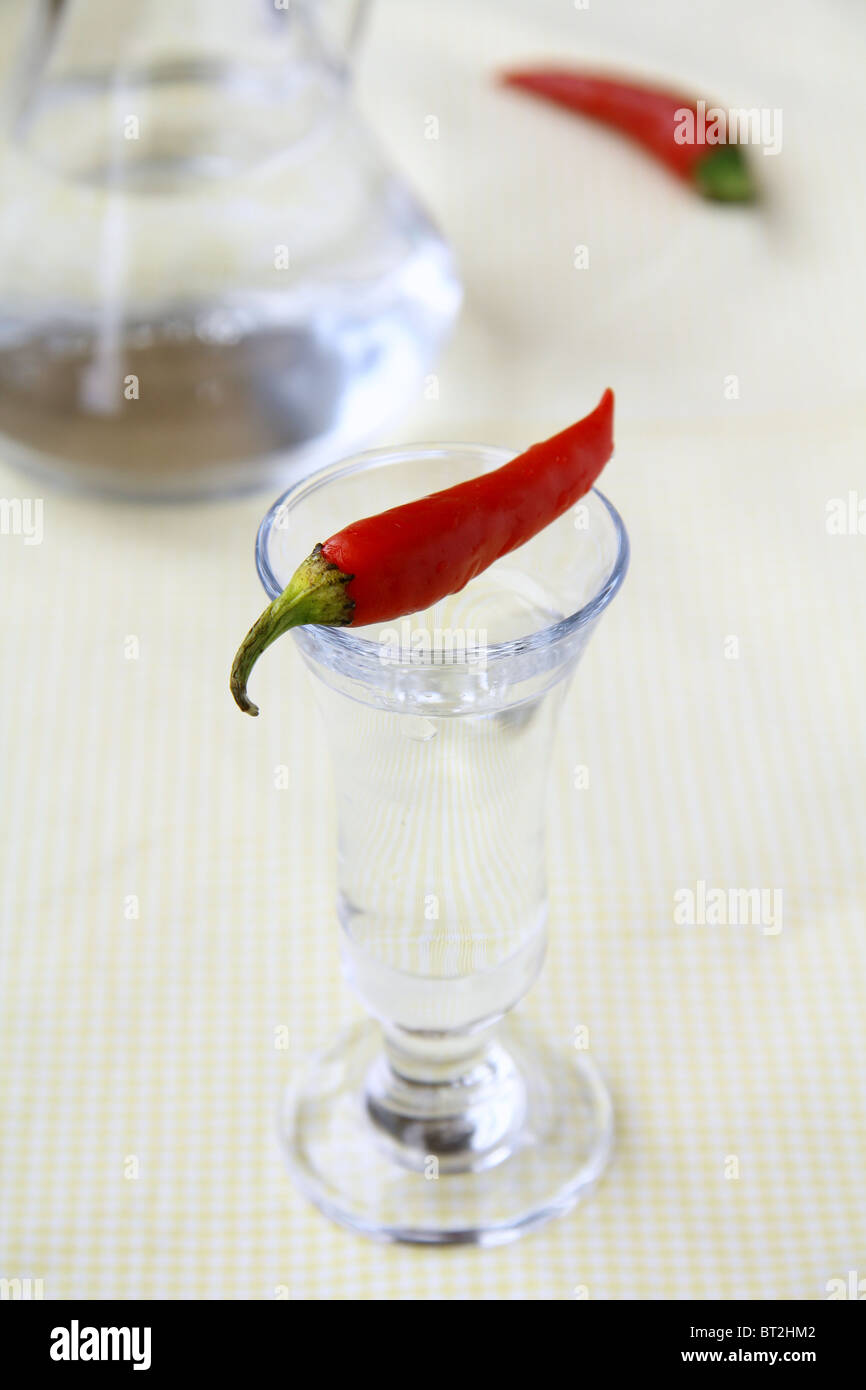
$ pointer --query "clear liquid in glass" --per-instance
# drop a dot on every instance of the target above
(441, 862)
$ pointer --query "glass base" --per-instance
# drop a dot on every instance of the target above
(547, 1140)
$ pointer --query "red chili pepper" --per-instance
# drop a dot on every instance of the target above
(653, 118)
(405, 559)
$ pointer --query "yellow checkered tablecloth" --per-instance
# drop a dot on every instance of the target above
(167, 910)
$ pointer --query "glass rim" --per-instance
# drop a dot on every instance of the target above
(341, 641)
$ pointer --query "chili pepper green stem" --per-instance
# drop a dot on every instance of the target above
(316, 593)
(724, 176)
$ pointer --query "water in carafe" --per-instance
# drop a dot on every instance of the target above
(210, 277)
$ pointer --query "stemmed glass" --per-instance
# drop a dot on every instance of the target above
(444, 1118)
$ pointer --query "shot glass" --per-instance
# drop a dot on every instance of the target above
(444, 1117)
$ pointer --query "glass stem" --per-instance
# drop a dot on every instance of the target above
(446, 1102)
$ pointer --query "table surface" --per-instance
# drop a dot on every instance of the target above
(719, 712)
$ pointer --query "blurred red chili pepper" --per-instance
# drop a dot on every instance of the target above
(405, 559)
(653, 118)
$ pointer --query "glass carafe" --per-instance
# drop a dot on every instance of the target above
(209, 274)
